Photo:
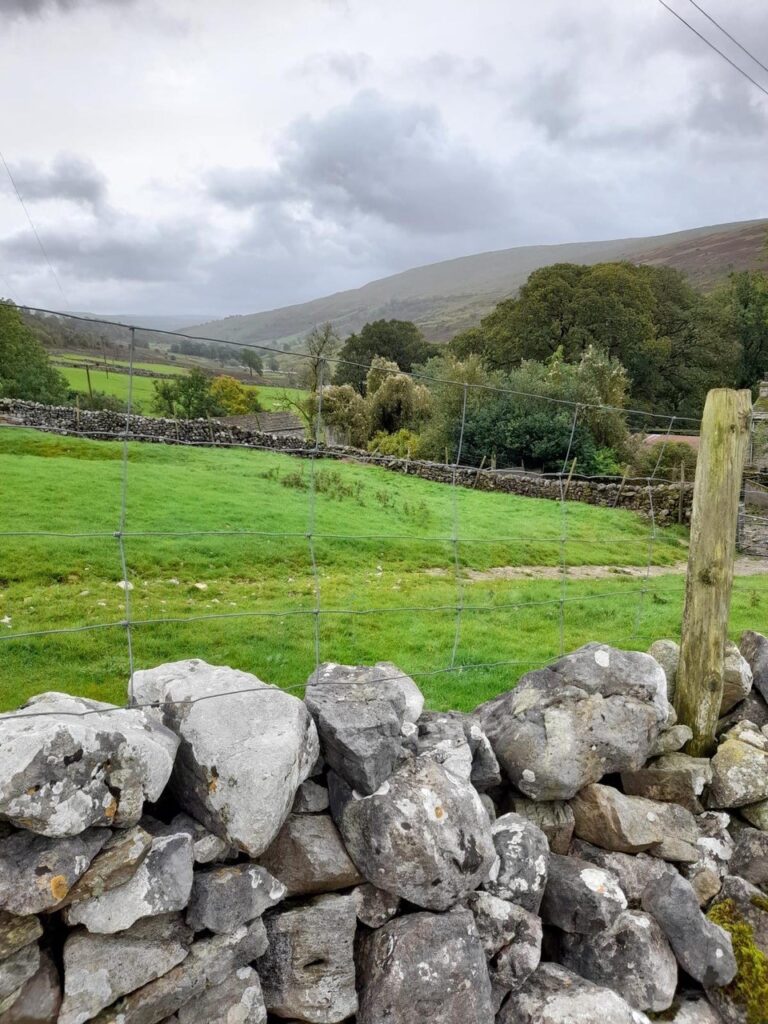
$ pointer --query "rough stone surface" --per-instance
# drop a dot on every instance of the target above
(667, 653)
(702, 949)
(672, 778)
(580, 897)
(374, 907)
(206, 846)
(98, 969)
(359, 712)
(442, 737)
(631, 824)
(750, 857)
(425, 967)
(554, 995)
(595, 711)
(17, 932)
(18, 968)
(751, 906)
(752, 709)
(754, 647)
(693, 1010)
(63, 771)
(237, 1000)
(308, 856)
(633, 872)
(37, 872)
(737, 677)
(424, 835)
(223, 898)
(511, 938)
(715, 847)
(631, 956)
(237, 771)
(671, 739)
(210, 962)
(308, 970)
(38, 1000)
(757, 815)
(520, 874)
(740, 768)
(555, 819)
(161, 885)
(117, 863)
(311, 798)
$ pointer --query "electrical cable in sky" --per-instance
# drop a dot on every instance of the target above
(729, 36)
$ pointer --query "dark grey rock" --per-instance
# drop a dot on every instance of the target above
(671, 740)
(595, 711)
(702, 949)
(373, 906)
(237, 771)
(38, 1000)
(36, 872)
(737, 678)
(715, 847)
(671, 778)
(580, 897)
(206, 846)
(223, 898)
(695, 1010)
(424, 835)
(750, 905)
(311, 798)
(18, 968)
(237, 1000)
(750, 857)
(511, 938)
(359, 712)
(754, 647)
(633, 871)
(752, 709)
(520, 873)
(98, 969)
(425, 967)
(308, 856)
(308, 971)
(209, 962)
(554, 818)
(458, 742)
(631, 956)
(740, 768)
(554, 995)
(17, 932)
(62, 771)
(161, 884)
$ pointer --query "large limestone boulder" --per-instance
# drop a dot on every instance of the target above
(308, 970)
(424, 835)
(245, 748)
(98, 969)
(631, 956)
(520, 873)
(740, 768)
(554, 995)
(425, 967)
(36, 872)
(359, 712)
(702, 949)
(631, 824)
(67, 763)
(223, 898)
(595, 711)
(308, 856)
(161, 885)
(580, 897)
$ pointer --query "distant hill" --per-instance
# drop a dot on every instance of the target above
(444, 298)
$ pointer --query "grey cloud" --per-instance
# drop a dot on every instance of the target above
(67, 177)
(33, 8)
(377, 158)
(350, 67)
(470, 70)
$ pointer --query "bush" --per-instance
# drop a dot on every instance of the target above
(234, 398)
(669, 455)
(25, 370)
(404, 444)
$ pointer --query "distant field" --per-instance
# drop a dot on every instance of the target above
(143, 387)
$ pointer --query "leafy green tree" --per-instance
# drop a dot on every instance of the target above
(742, 307)
(252, 360)
(399, 341)
(346, 412)
(233, 397)
(395, 400)
(188, 396)
(25, 370)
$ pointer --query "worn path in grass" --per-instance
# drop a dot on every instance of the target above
(245, 594)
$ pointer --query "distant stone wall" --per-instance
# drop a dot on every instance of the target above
(224, 850)
(663, 499)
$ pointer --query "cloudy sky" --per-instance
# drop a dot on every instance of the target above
(183, 156)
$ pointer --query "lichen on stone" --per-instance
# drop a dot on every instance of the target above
(749, 989)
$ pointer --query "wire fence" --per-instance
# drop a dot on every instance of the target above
(506, 607)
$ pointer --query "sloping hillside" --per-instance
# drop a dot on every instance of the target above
(447, 297)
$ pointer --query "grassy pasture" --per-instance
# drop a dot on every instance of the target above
(385, 560)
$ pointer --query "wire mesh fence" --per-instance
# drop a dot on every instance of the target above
(458, 587)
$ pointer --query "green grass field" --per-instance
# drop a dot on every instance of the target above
(386, 570)
(143, 387)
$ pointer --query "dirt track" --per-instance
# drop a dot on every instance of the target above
(743, 567)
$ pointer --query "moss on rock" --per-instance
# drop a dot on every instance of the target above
(749, 989)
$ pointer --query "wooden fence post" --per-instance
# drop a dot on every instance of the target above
(717, 485)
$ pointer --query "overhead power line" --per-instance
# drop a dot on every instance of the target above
(712, 46)
(42, 248)
(729, 36)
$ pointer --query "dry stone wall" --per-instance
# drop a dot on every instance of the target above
(226, 853)
(662, 499)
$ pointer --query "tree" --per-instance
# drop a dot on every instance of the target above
(399, 341)
(346, 412)
(251, 360)
(188, 396)
(25, 370)
(234, 398)
(394, 399)
(320, 346)
(742, 307)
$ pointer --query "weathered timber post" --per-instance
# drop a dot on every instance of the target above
(723, 446)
